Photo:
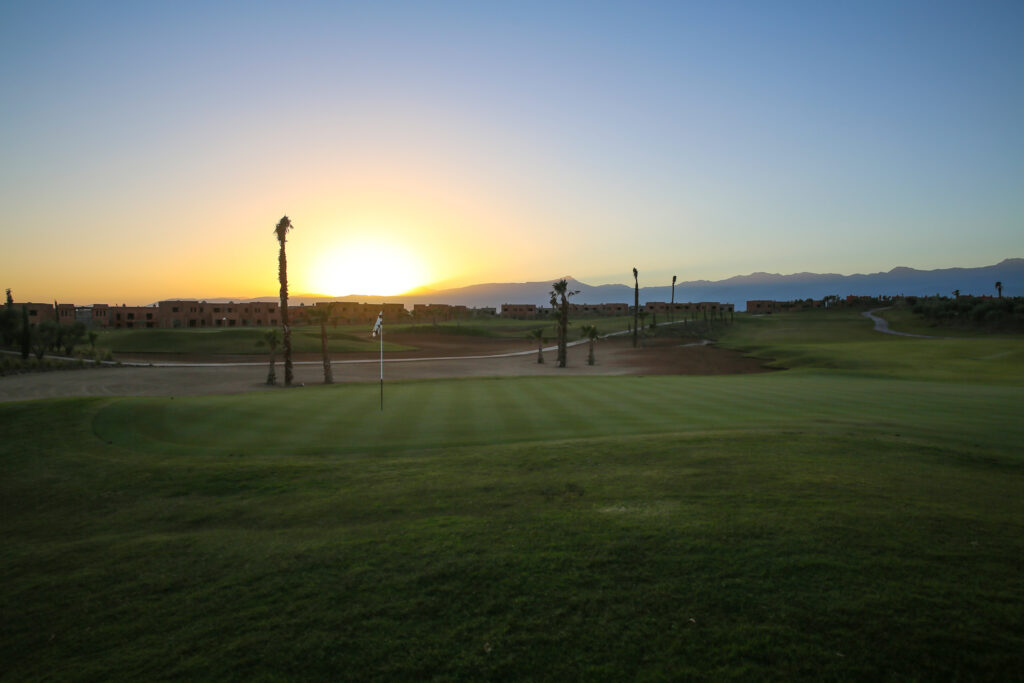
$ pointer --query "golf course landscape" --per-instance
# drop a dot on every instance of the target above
(855, 514)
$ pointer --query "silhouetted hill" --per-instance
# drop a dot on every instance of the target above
(737, 289)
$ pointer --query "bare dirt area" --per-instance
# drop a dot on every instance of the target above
(436, 357)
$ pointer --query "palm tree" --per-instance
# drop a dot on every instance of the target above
(643, 317)
(321, 315)
(956, 293)
(670, 311)
(591, 333)
(281, 230)
(538, 334)
(560, 298)
(271, 339)
(636, 304)
(999, 288)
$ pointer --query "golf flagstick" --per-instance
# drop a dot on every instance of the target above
(378, 330)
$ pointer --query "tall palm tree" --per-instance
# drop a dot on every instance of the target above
(591, 333)
(281, 230)
(671, 314)
(321, 315)
(560, 298)
(271, 339)
(636, 304)
(642, 315)
(538, 334)
(999, 288)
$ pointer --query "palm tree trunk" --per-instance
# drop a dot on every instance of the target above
(636, 305)
(540, 351)
(328, 376)
(590, 357)
(563, 332)
(271, 374)
(286, 330)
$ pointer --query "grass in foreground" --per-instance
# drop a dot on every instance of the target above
(804, 524)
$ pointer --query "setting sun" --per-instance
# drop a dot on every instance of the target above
(366, 268)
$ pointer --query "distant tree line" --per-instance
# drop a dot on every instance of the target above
(1004, 312)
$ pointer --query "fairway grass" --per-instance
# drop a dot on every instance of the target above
(853, 522)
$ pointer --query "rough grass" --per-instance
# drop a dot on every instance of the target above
(845, 342)
(905, 320)
(813, 524)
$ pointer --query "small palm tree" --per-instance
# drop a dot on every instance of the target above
(538, 334)
(591, 333)
(282, 229)
(321, 315)
(560, 299)
(956, 294)
(999, 288)
(271, 339)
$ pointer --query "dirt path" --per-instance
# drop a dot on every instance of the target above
(882, 325)
(468, 357)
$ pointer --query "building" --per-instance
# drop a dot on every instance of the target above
(38, 313)
(519, 311)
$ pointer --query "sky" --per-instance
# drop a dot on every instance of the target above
(148, 149)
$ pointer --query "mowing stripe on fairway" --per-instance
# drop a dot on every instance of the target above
(429, 414)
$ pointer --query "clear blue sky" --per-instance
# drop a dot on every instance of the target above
(148, 148)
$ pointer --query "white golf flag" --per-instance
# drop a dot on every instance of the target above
(376, 326)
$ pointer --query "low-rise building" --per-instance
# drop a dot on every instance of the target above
(519, 311)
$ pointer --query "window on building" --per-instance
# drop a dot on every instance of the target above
(216, 310)
(174, 309)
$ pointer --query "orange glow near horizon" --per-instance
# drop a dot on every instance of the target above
(367, 267)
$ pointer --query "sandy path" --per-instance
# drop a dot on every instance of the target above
(614, 356)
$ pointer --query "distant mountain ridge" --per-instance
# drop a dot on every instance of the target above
(737, 289)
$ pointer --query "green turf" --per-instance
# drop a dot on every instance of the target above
(845, 342)
(864, 522)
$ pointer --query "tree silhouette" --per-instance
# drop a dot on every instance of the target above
(643, 318)
(636, 304)
(671, 312)
(999, 288)
(72, 336)
(282, 229)
(538, 334)
(320, 315)
(560, 298)
(591, 333)
(956, 293)
(271, 339)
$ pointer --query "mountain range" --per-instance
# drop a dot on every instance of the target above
(737, 290)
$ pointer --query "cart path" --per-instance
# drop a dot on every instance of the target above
(882, 325)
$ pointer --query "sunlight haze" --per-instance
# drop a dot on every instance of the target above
(150, 148)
